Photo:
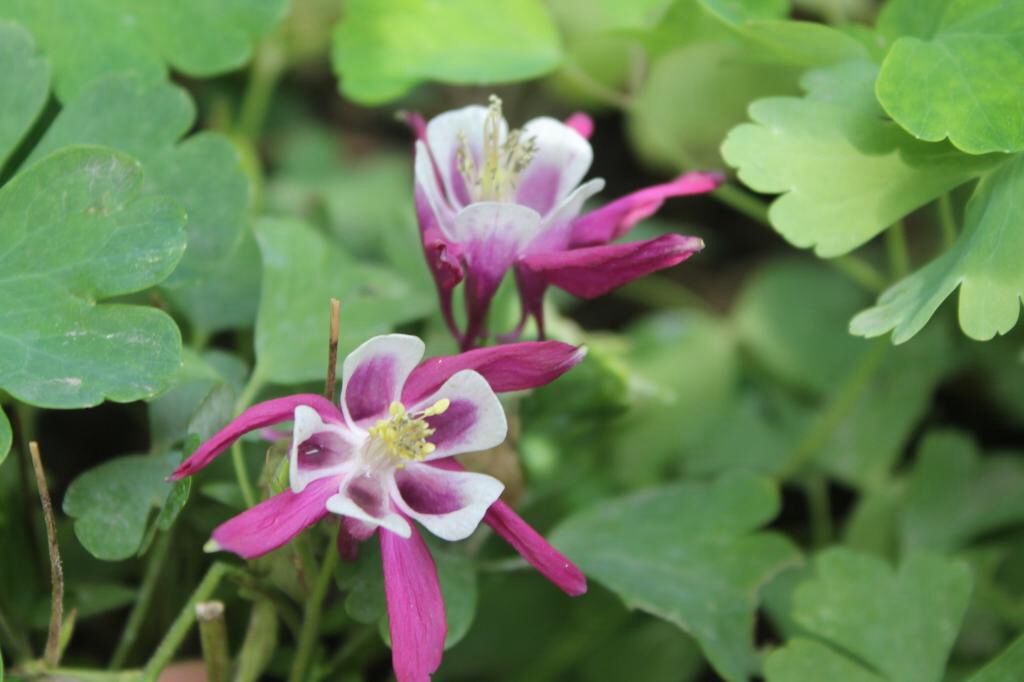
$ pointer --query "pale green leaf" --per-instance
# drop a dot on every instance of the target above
(24, 85)
(1006, 667)
(203, 172)
(383, 49)
(691, 554)
(87, 40)
(964, 80)
(984, 262)
(802, 660)
(302, 271)
(74, 229)
(954, 496)
(901, 623)
(845, 173)
(112, 503)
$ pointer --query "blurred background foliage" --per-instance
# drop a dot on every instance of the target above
(753, 490)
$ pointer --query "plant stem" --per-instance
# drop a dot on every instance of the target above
(259, 643)
(267, 67)
(947, 221)
(896, 248)
(820, 508)
(252, 387)
(595, 88)
(16, 639)
(213, 637)
(742, 202)
(154, 562)
(860, 271)
(332, 351)
(180, 627)
(311, 613)
(52, 654)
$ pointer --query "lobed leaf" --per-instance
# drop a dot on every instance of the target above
(24, 85)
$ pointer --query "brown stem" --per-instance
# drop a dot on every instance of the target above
(332, 352)
(52, 655)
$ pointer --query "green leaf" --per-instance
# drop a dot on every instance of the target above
(724, 78)
(963, 79)
(381, 50)
(984, 263)
(901, 624)
(302, 270)
(1006, 667)
(954, 496)
(910, 18)
(689, 553)
(800, 43)
(24, 85)
(5, 436)
(111, 503)
(203, 172)
(845, 173)
(74, 230)
(87, 40)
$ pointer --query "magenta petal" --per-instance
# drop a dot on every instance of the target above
(256, 417)
(415, 606)
(535, 549)
(614, 219)
(581, 123)
(596, 270)
(275, 521)
(508, 367)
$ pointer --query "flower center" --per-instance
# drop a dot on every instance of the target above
(496, 177)
(404, 435)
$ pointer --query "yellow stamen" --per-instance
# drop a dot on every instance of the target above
(496, 178)
(405, 435)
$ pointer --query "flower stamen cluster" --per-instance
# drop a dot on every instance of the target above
(503, 160)
(404, 435)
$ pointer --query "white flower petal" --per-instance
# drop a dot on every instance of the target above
(374, 373)
(318, 449)
(563, 157)
(450, 504)
(367, 497)
(474, 420)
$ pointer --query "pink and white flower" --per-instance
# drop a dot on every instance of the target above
(490, 199)
(384, 458)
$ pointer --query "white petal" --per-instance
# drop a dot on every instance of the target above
(426, 179)
(331, 453)
(474, 420)
(374, 373)
(494, 233)
(556, 228)
(563, 157)
(367, 498)
(443, 136)
(450, 504)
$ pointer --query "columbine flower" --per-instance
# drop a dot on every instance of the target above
(490, 199)
(385, 457)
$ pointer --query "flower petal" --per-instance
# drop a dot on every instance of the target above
(450, 504)
(374, 373)
(563, 157)
(580, 122)
(416, 614)
(596, 270)
(319, 449)
(366, 496)
(614, 219)
(474, 419)
(444, 135)
(508, 367)
(535, 549)
(275, 521)
(556, 228)
(436, 207)
(256, 417)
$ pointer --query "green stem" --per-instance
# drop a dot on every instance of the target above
(181, 625)
(39, 669)
(267, 67)
(820, 508)
(252, 387)
(661, 292)
(743, 202)
(896, 248)
(947, 221)
(143, 599)
(16, 639)
(259, 643)
(213, 638)
(860, 271)
(842, 401)
(311, 613)
(595, 88)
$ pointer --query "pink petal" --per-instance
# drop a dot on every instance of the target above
(318, 449)
(581, 123)
(531, 289)
(556, 228)
(613, 220)
(351, 534)
(562, 158)
(596, 270)
(450, 504)
(416, 614)
(256, 417)
(508, 367)
(366, 497)
(474, 420)
(535, 549)
(275, 521)
(374, 373)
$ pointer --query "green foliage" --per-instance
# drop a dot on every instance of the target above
(60, 254)
(111, 503)
(24, 84)
(690, 553)
(91, 39)
(958, 74)
(5, 436)
(1007, 667)
(381, 50)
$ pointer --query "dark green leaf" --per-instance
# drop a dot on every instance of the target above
(1006, 667)
(73, 230)
(5, 436)
(24, 85)
(689, 553)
